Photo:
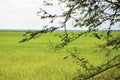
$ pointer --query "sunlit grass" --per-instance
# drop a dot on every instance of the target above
(34, 60)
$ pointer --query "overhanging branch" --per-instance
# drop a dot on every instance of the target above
(114, 3)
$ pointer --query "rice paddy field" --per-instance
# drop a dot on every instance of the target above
(35, 60)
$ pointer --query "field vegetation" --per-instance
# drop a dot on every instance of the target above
(37, 60)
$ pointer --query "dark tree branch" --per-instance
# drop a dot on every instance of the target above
(101, 71)
(111, 23)
(114, 3)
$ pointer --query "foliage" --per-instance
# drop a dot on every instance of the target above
(92, 72)
(84, 13)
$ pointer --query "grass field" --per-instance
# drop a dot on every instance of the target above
(34, 60)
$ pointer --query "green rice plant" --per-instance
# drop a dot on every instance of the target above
(36, 60)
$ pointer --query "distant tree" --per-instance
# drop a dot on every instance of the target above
(85, 13)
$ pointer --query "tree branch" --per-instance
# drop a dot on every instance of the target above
(101, 71)
(115, 3)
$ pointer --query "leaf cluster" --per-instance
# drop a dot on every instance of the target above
(99, 72)
(84, 13)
